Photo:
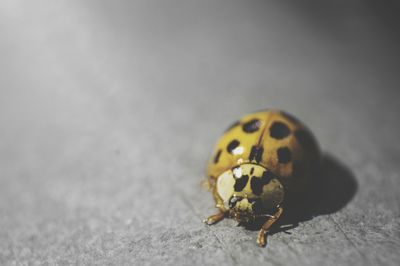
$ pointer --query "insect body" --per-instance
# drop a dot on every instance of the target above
(260, 164)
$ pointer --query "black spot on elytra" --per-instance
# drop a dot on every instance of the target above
(241, 182)
(251, 126)
(235, 124)
(304, 138)
(217, 155)
(256, 153)
(232, 145)
(252, 171)
(256, 186)
(284, 155)
(279, 130)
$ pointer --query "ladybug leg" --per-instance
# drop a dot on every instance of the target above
(215, 218)
(222, 211)
(265, 228)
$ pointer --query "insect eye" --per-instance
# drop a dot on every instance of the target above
(233, 200)
(251, 200)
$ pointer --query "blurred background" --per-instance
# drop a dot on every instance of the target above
(109, 111)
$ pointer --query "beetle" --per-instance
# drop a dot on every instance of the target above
(261, 163)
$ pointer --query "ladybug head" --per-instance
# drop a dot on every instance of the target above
(244, 209)
(249, 191)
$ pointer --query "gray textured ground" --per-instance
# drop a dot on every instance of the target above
(109, 110)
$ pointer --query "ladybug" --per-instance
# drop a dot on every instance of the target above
(262, 163)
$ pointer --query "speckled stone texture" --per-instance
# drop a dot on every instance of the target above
(109, 111)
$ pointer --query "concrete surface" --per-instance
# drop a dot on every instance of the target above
(109, 110)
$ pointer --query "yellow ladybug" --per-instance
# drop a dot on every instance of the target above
(263, 162)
